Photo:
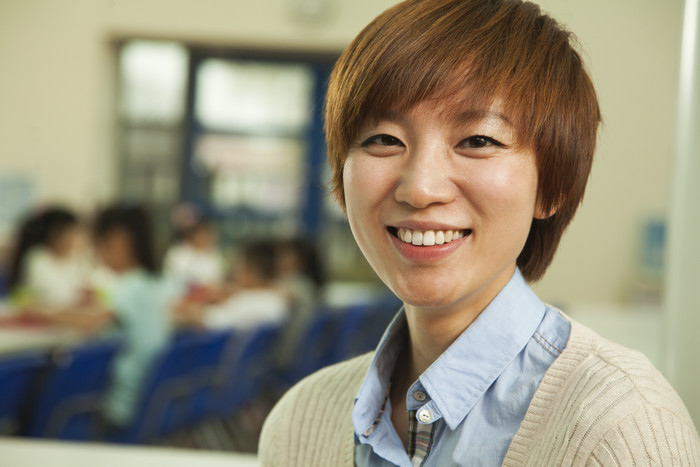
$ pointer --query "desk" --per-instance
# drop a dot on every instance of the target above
(19, 452)
(17, 339)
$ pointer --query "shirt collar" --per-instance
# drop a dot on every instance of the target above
(372, 395)
(463, 373)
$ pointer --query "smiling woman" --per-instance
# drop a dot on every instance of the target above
(460, 138)
(433, 175)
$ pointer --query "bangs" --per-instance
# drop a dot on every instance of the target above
(423, 50)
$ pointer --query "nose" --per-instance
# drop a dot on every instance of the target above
(424, 179)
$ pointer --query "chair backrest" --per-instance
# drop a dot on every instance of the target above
(316, 348)
(352, 335)
(19, 375)
(377, 319)
(165, 399)
(336, 335)
(248, 361)
(69, 403)
(256, 358)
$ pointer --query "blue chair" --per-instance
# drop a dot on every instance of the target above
(69, 404)
(202, 374)
(316, 348)
(19, 375)
(354, 326)
(245, 371)
(377, 319)
(165, 402)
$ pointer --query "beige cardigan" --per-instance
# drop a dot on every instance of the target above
(599, 404)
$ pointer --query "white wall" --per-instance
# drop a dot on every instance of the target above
(633, 48)
(683, 281)
(56, 113)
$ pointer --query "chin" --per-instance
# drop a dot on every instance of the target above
(425, 296)
(427, 303)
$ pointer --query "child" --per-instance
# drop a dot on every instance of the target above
(140, 303)
(257, 301)
(301, 279)
(46, 270)
(196, 260)
(300, 274)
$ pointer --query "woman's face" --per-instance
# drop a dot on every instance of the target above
(441, 203)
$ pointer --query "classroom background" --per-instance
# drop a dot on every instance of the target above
(211, 111)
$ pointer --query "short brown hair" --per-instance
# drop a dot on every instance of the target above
(500, 49)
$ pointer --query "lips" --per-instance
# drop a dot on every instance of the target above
(427, 237)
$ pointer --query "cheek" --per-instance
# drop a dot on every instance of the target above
(367, 182)
(507, 190)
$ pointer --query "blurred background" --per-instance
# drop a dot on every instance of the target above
(207, 115)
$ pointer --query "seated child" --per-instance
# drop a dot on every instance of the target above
(139, 300)
(257, 301)
(195, 259)
(301, 279)
(46, 268)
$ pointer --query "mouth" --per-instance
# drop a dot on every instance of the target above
(427, 237)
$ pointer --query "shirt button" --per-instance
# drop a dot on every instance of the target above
(424, 415)
(419, 396)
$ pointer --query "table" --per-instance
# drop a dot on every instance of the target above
(17, 339)
(21, 452)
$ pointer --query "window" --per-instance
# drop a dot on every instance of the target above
(239, 135)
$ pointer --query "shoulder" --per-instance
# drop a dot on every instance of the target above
(136, 287)
(601, 399)
(616, 373)
(176, 254)
(312, 424)
(38, 257)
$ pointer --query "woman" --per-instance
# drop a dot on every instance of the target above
(460, 136)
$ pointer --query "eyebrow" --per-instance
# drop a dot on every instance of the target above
(472, 115)
(466, 116)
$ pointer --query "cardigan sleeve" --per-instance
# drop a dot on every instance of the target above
(651, 436)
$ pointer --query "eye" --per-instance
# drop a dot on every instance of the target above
(382, 140)
(479, 141)
(383, 145)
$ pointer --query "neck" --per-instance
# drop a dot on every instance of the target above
(433, 330)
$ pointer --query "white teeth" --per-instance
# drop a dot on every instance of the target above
(417, 238)
(428, 237)
(439, 237)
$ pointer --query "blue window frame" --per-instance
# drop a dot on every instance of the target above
(223, 157)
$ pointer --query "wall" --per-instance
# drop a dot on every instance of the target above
(56, 112)
(682, 302)
(633, 48)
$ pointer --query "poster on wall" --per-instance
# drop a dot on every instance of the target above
(17, 196)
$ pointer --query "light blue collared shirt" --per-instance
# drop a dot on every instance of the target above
(476, 392)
